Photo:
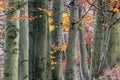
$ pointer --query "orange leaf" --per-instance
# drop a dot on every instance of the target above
(46, 11)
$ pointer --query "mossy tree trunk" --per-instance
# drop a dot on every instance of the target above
(57, 9)
(11, 45)
(70, 55)
(24, 45)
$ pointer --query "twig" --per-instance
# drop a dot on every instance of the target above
(114, 23)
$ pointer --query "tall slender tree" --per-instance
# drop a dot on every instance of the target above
(57, 9)
(39, 39)
(106, 40)
(31, 37)
(114, 46)
(97, 41)
(11, 44)
(70, 55)
(49, 67)
(24, 44)
(83, 52)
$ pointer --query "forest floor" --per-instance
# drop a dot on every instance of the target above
(113, 74)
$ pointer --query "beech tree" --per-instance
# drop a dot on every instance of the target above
(35, 41)
(11, 45)
(83, 51)
(57, 9)
(97, 41)
(70, 55)
(114, 43)
(31, 37)
(40, 41)
(24, 44)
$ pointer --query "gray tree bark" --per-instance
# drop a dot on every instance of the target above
(70, 55)
(57, 9)
(40, 41)
(31, 37)
(11, 46)
(114, 46)
(24, 46)
(97, 41)
(83, 52)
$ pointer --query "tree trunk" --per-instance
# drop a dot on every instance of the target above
(106, 40)
(31, 38)
(48, 68)
(57, 9)
(11, 46)
(114, 46)
(40, 41)
(97, 43)
(24, 43)
(70, 55)
(83, 53)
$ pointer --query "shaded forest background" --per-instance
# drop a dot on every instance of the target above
(59, 40)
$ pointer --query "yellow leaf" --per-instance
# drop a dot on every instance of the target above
(51, 28)
(50, 20)
(115, 10)
(52, 57)
(65, 22)
(64, 47)
(53, 63)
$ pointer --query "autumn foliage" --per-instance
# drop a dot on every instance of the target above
(115, 6)
(88, 27)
